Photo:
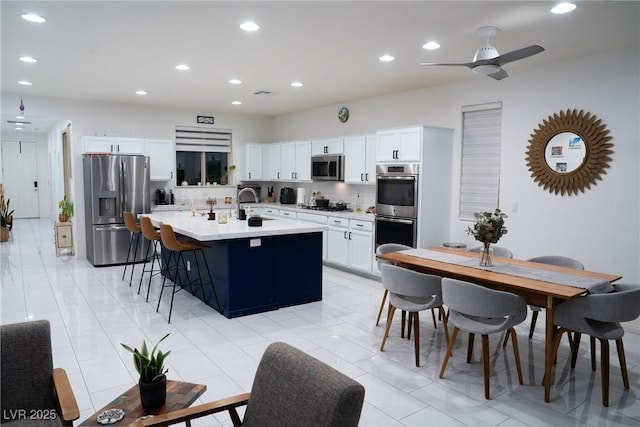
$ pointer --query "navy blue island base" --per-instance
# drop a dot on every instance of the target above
(253, 275)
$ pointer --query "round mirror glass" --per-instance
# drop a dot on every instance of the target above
(565, 152)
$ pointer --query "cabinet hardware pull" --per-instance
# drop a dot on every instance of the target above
(349, 235)
(359, 225)
(361, 177)
(366, 176)
(345, 234)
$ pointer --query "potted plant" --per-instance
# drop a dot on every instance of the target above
(5, 220)
(153, 374)
(66, 209)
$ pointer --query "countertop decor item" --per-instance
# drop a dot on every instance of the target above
(488, 228)
(153, 374)
(66, 209)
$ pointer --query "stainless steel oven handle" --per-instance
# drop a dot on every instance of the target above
(401, 177)
(399, 221)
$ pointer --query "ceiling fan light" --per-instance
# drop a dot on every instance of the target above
(486, 69)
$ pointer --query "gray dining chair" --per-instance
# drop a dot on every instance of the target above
(599, 316)
(412, 292)
(558, 260)
(479, 310)
(497, 251)
(386, 248)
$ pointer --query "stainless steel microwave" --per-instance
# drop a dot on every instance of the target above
(327, 168)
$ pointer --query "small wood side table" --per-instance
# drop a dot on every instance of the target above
(63, 232)
(180, 395)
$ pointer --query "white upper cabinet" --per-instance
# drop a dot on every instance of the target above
(295, 161)
(253, 168)
(114, 145)
(397, 145)
(162, 158)
(327, 146)
(271, 162)
(360, 159)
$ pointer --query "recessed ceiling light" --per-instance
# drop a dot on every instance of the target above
(20, 117)
(235, 81)
(183, 67)
(431, 45)
(386, 58)
(32, 17)
(249, 26)
(24, 83)
(564, 7)
(296, 84)
(236, 103)
(141, 92)
(28, 59)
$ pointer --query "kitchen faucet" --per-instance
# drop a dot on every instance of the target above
(255, 199)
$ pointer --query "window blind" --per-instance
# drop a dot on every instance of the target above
(203, 140)
(481, 150)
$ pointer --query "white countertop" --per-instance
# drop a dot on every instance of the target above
(222, 207)
(200, 228)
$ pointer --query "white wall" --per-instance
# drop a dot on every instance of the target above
(600, 227)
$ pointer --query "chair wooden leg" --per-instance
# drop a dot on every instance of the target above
(592, 343)
(409, 326)
(574, 349)
(445, 323)
(604, 367)
(447, 355)
(623, 363)
(470, 347)
(384, 299)
(392, 311)
(416, 334)
(485, 364)
(534, 318)
(516, 353)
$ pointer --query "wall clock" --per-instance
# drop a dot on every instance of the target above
(343, 114)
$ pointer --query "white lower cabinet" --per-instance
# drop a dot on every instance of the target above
(350, 243)
(320, 219)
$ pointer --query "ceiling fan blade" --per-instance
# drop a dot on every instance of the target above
(515, 55)
(499, 75)
(464, 64)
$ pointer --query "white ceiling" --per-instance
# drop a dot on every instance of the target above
(108, 50)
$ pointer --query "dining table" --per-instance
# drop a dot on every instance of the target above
(543, 285)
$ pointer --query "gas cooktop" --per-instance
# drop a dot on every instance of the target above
(327, 209)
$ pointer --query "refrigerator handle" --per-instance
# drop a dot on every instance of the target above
(121, 189)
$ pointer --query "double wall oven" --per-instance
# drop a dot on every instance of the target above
(397, 203)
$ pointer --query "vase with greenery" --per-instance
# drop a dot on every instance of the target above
(66, 209)
(6, 216)
(488, 228)
(153, 374)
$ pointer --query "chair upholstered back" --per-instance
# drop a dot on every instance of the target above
(386, 248)
(130, 222)
(476, 309)
(292, 388)
(26, 368)
(419, 287)
(148, 230)
(599, 315)
(558, 260)
(497, 251)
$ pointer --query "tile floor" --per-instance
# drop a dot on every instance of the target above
(92, 311)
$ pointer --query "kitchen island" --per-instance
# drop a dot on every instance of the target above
(254, 269)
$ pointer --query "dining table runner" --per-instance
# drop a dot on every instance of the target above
(593, 286)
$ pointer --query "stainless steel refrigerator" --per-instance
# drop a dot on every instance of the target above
(113, 184)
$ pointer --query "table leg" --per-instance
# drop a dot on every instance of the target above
(548, 349)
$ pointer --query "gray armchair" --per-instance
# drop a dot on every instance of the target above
(479, 310)
(290, 388)
(386, 248)
(33, 392)
(599, 316)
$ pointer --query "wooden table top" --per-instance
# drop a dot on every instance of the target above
(522, 285)
(180, 395)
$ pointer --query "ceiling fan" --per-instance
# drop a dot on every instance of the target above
(488, 61)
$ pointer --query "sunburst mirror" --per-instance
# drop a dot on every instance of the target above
(568, 152)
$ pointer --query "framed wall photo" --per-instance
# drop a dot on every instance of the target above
(205, 120)
(575, 142)
(556, 151)
(561, 166)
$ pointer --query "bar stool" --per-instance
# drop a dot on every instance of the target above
(153, 236)
(177, 248)
(136, 233)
